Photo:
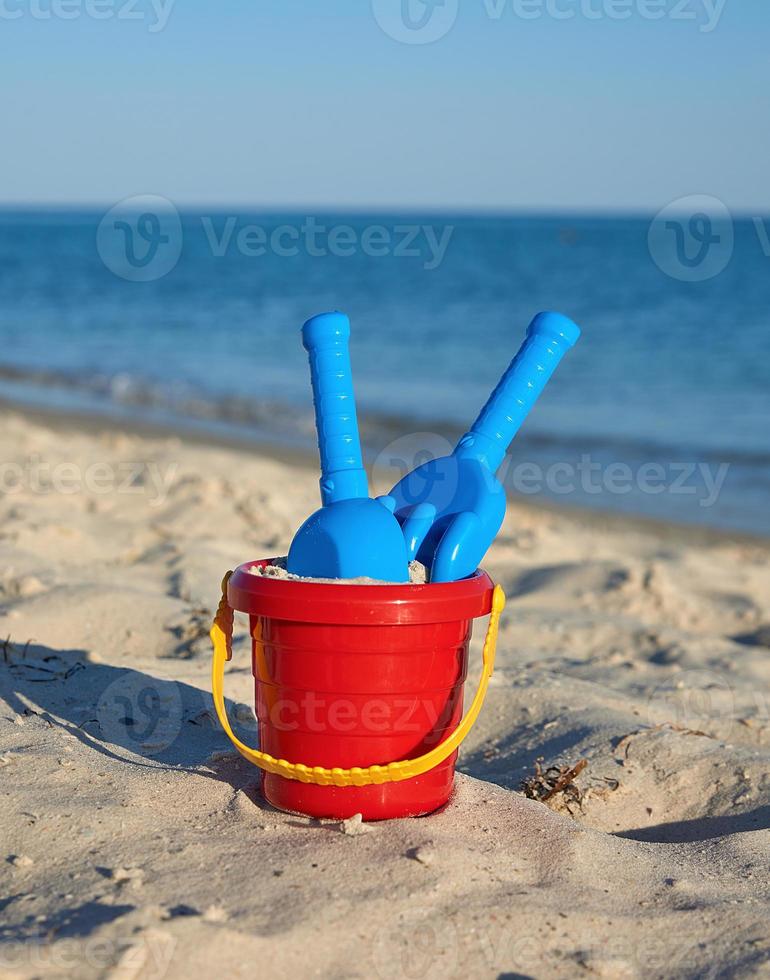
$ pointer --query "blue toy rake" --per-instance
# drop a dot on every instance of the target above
(451, 508)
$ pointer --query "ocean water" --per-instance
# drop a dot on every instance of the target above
(662, 409)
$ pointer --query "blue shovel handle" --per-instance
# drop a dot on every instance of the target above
(325, 337)
(549, 337)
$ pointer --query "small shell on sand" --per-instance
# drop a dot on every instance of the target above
(353, 826)
(418, 575)
(131, 876)
(215, 913)
(21, 861)
(424, 854)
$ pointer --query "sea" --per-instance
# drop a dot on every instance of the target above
(190, 319)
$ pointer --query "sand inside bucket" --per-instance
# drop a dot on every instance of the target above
(418, 575)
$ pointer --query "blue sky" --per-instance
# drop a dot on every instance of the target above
(311, 103)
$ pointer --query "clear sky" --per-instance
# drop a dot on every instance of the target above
(543, 104)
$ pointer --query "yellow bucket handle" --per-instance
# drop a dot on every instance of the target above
(221, 638)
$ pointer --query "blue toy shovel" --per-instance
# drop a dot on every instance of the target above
(451, 508)
(352, 535)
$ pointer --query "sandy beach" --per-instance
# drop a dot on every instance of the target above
(134, 841)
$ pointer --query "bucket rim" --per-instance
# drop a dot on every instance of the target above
(373, 605)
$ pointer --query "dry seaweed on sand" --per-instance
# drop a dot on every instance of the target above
(546, 784)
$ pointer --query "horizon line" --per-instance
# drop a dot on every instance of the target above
(461, 211)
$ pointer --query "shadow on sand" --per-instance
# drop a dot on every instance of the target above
(701, 828)
(131, 717)
(125, 714)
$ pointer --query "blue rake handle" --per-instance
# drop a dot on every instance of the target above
(325, 338)
(549, 337)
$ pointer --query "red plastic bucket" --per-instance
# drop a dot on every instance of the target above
(354, 676)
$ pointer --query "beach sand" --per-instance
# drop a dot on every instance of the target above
(135, 845)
